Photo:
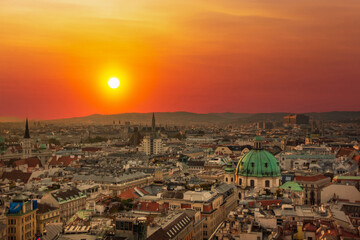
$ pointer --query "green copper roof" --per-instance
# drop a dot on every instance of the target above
(258, 163)
(42, 146)
(347, 177)
(293, 186)
(257, 138)
(229, 168)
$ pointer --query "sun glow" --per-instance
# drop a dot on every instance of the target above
(114, 83)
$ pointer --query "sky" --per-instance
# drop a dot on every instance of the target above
(191, 55)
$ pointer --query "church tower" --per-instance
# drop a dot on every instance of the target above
(26, 143)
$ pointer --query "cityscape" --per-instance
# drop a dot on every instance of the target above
(169, 120)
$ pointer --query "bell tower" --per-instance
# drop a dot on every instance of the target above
(26, 143)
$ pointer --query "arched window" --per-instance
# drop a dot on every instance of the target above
(267, 183)
(266, 165)
(252, 164)
(226, 179)
(239, 195)
(240, 181)
(252, 183)
(232, 179)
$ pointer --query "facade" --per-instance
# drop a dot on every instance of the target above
(131, 227)
(21, 219)
(46, 214)
(3, 231)
(313, 186)
(69, 201)
(257, 168)
(152, 146)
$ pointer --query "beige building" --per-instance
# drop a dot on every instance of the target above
(46, 214)
(340, 192)
(214, 205)
(312, 187)
(21, 219)
(69, 201)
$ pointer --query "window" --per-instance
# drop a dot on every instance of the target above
(240, 181)
(252, 164)
(267, 183)
(266, 165)
(252, 183)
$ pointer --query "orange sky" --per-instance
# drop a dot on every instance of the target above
(200, 56)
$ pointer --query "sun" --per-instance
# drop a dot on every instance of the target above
(114, 82)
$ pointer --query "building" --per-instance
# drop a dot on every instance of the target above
(3, 231)
(46, 214)
(294, 119)
(178, 226)
(132, 228)
(339, 192)
(257, 168)
(152, 146)
(69, 201)
(213, 205)
(26, 143)
(21, 219)
(312, 187)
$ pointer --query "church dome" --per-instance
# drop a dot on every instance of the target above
(258, 163)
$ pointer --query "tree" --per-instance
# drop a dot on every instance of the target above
(54, 141)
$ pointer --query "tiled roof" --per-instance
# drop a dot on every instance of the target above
(15, 175)
(31, 162)
(310, 178)
(44, 208)
(309, 227)
(150, 206)
(266, 202)
(133, 193)
(62, 161)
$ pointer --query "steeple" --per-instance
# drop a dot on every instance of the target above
(153, 123)
(27, 132)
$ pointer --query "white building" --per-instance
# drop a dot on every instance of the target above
(152, 146)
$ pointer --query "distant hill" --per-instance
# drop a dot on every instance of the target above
(10, 119)
(188, 118)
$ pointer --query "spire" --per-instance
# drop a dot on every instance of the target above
(27, 132)
(153, 122)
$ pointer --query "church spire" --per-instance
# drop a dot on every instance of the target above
(153, 122)
(27, 132)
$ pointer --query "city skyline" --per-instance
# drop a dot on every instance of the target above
(233, 56)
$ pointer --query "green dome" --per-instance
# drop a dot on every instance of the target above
(258, 163)
(257, 138)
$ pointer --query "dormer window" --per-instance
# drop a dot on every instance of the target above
(252, 164)
(266, 165)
